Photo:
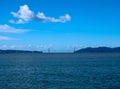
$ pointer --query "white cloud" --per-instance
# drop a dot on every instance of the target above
(24, 15)
(5, 38)
(41, 16)
(8, 29)
(20, 21)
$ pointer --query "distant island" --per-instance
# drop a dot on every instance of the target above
(98, 50)
(19, 51)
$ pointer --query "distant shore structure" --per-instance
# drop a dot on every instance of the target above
(74, 49)
(49, 50)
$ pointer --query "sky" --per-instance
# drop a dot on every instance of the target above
(60, 25)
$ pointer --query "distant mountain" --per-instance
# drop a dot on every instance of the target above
(19, 51)
(98, 49)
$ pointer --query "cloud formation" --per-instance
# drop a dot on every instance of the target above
(24, 15)
(5, 38)
(41, 16)
(8, 29)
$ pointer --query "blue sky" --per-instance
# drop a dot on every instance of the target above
(59, 24)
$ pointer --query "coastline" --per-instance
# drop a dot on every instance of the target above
(60, 55)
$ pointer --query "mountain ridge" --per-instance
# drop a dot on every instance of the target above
(98, 49)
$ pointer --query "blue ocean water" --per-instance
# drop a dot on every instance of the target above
(59, 71)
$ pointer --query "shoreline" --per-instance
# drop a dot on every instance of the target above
(60, 55)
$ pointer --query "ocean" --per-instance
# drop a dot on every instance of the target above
(60, 71)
